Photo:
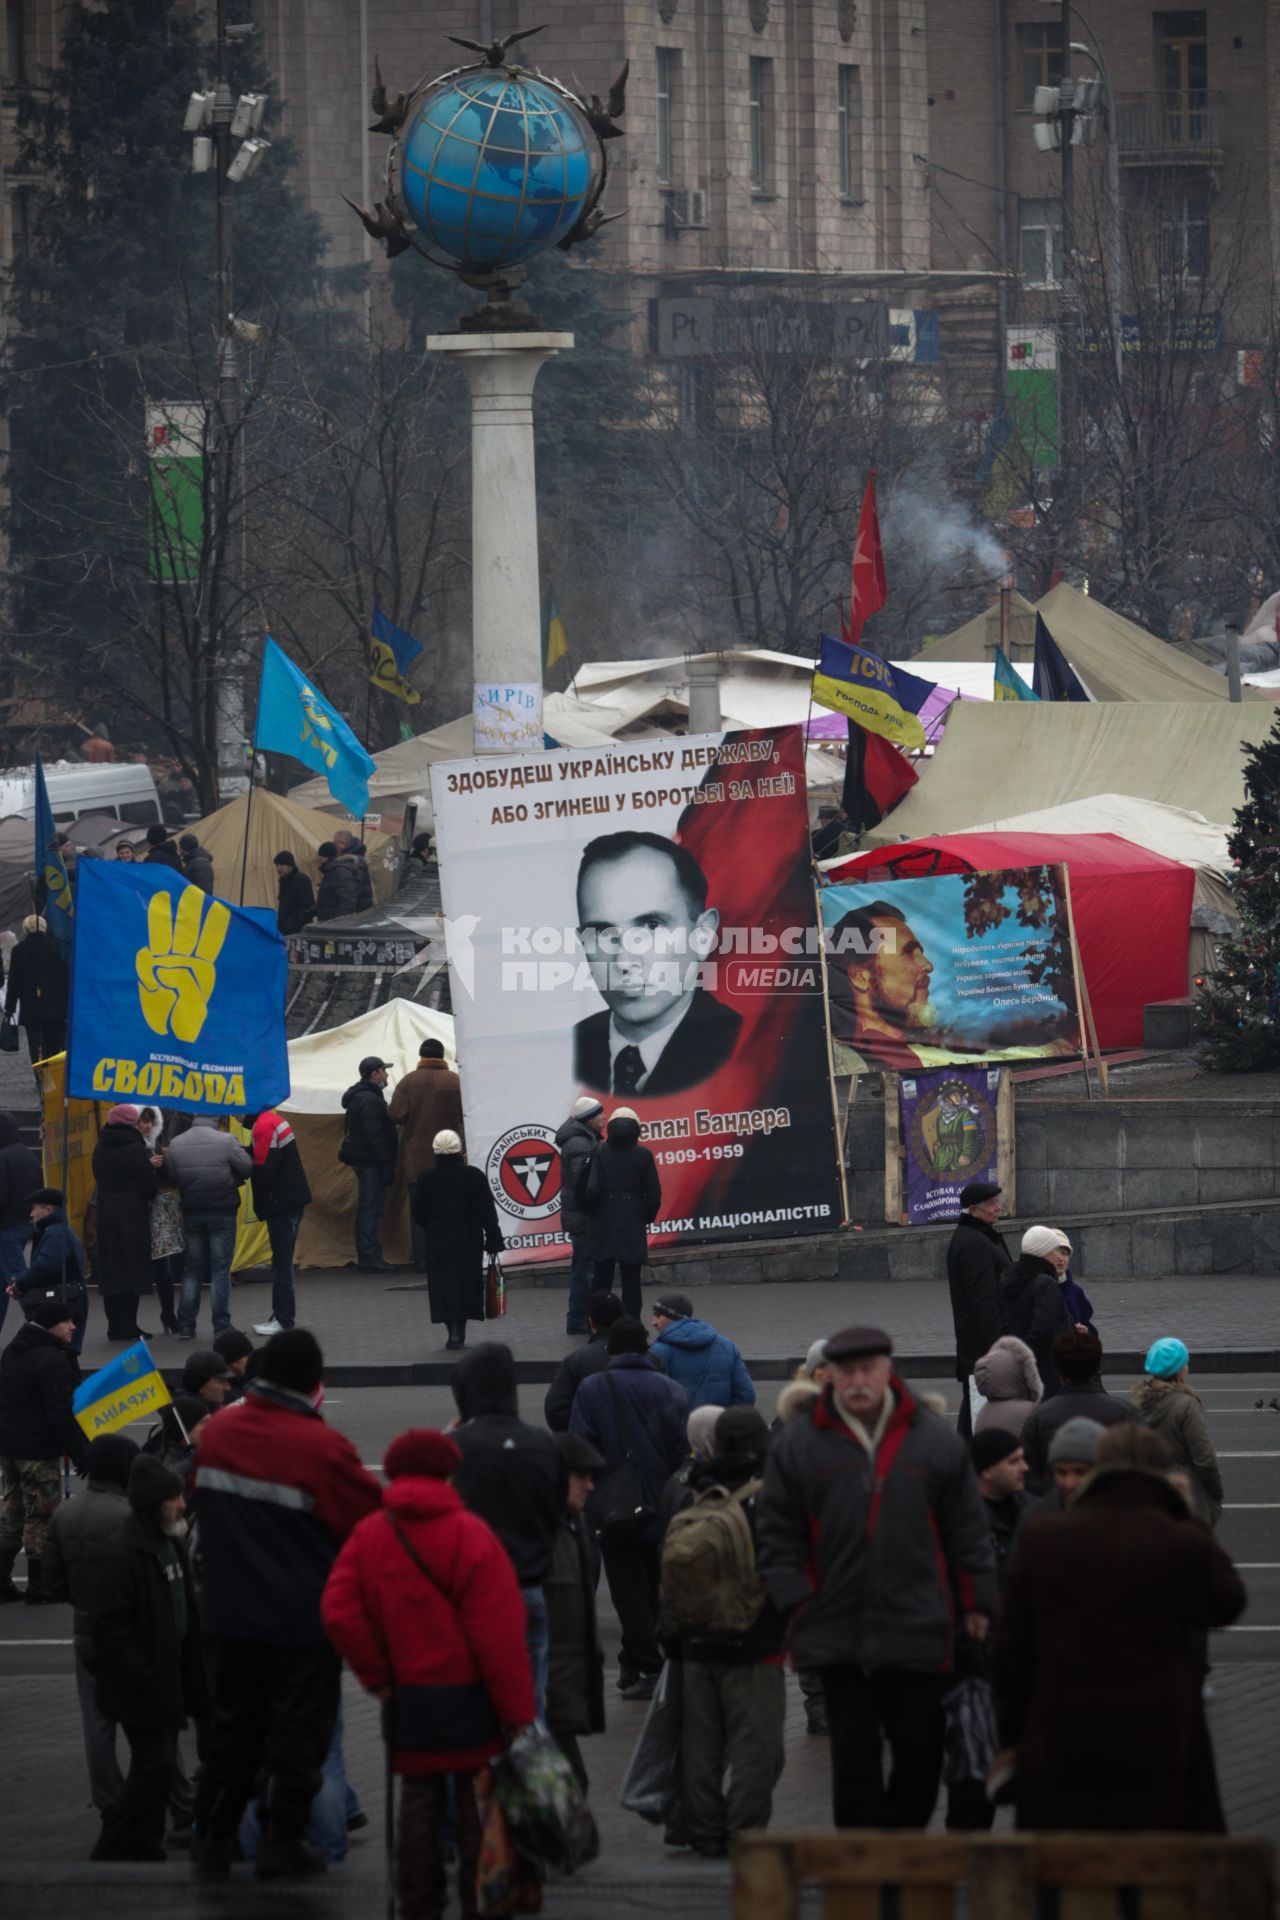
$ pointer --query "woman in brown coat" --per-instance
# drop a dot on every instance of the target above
(1096, 1670)
(1172, 1408)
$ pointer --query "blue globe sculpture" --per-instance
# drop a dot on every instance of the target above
(491, 168)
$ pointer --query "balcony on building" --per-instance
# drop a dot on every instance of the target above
(1173, 129)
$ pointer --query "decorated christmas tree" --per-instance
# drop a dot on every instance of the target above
(1238, 1003)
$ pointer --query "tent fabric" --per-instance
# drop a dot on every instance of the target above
(1118, 660)
(1172, 831)
(276, 823)
(1132, 909)
(1001, 760)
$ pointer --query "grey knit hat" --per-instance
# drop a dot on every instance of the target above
(1076, 1440)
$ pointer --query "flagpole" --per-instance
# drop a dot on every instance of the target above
(368, 722)
(253, 768)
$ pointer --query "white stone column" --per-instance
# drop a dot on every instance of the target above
(506, 599)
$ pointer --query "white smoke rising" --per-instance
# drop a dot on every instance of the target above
(941, 531)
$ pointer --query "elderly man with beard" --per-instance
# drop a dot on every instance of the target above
(882, 972)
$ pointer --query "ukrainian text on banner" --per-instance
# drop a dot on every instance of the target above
(639, 923)
(952, 967)
(176, 998)
(128, 1388)
(947, 1123)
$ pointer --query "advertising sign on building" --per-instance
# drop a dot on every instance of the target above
(639, 923)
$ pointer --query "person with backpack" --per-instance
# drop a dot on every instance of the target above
(635, 1418)
(719, 1622)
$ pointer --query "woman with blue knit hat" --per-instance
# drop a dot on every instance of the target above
(1174, 1410)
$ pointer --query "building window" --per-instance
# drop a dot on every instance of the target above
(849, 122)
(1040, 242)
(760, 98)
(668, 95)
(1182, 76)
(1039, 56)
(15, 43)
(1184, 236)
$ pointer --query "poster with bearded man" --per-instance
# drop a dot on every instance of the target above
(950, 968)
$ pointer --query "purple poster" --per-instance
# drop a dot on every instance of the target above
(948, 1133)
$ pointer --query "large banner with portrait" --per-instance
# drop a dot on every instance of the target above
(639, 923)
(951, 968)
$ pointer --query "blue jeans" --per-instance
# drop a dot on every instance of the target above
(538, 1640)
(282, 1232)
(211, 1241)
(371, 1198)
(13, 1259)
(582, 1275)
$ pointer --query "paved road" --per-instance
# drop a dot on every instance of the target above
(50, 1828)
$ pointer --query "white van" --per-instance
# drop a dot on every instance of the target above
(126, 793)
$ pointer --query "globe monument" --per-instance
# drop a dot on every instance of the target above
(491, 165)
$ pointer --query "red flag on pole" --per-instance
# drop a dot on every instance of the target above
(869, 589)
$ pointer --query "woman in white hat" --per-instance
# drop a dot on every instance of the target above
(1031, 1301)
(454, 1208)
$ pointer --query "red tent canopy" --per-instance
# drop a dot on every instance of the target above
(1132, 908)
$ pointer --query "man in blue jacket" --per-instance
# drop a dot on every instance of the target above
(710, 1368)
(56, 1257)
(631, 1410)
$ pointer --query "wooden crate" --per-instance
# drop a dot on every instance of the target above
(1096, 1876)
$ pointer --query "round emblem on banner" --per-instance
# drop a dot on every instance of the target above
(953, 1131)
(523, 1171)
(847, 18)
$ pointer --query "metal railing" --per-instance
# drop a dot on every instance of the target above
(1190, 121)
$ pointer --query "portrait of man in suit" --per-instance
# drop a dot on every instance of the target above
(647, 931)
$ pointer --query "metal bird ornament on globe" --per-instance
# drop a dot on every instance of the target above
(491, 165)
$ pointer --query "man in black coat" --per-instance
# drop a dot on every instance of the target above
(647, 930)
(38, 1376)
(161, 850)
(603, 1309)
(619, 1190)
(1081, 1395)
(576, 1141)
(976, 1258)
(338, 885)
(575, 1676)
(513, 1476)
(351, 848)
(295, 895)
(872, 1536)
(36, 992)
(147, 1660)
(197, 862)
(632, 1413)
(79, 1536)
(369, 1146)
(281, 1195)
(20, 1177)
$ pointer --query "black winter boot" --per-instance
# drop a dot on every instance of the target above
(8, 1592)
(36, 1596)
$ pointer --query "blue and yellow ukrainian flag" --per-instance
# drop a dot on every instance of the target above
(128, 1389)
(392, 652)
(879, 697)
(554, 644)
(1009, 683)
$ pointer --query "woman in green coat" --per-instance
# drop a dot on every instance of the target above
(1174, 1410)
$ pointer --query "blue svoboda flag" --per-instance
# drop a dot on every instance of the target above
(56, 905)
(392, 652)
(880, 697)
(294, 718)
(176, 998)
(128, 1388)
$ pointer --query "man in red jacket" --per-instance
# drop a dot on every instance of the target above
(424, 1605)
(276, 1496)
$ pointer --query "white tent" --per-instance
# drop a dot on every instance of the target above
(323, 1065)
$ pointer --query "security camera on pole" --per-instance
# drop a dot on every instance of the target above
(491, 165)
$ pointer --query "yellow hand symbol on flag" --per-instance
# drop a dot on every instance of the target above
(177, 969)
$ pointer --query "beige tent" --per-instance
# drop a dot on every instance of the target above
(321, 1068)
(1014, 757)
(275, 824)
(1116, 659)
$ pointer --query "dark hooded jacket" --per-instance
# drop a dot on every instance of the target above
(655, 1414)
(576, 1141)
(575, 1662)
(295, 901)
(873, 1558)
(80, 1532)
(977, 1259)
(38, 1376)
(1074, 1400)
(371, 1139)
(37, 987)
(339, 889)
(145, 1674)
(1032, 1307)
(1104, 1611)
(198, 867)
(512, 1475)
(20, 1175)
(620, 1192)
(55, 1254)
